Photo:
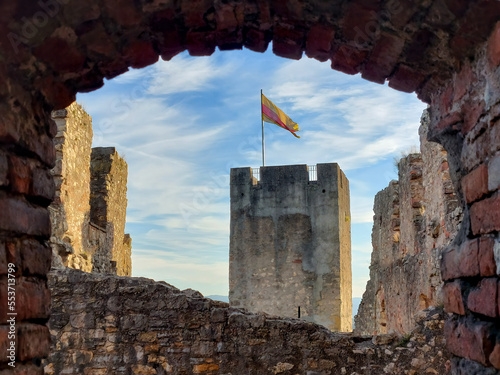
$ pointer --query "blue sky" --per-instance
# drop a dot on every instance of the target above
(181, 125)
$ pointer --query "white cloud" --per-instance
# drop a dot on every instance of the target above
(184, 74)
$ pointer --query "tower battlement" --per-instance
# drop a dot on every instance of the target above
(290, 243)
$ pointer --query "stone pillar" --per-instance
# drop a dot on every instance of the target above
(71, 208)
(108, 206)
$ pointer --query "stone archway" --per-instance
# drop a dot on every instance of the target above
(447, 51)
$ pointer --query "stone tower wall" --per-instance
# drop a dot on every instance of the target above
(70, 209)
(108, 203)
(415, 218)
(290, 243)
(87, 235)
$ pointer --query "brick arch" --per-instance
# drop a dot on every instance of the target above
(447, 51)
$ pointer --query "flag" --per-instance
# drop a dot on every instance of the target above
(274, 115)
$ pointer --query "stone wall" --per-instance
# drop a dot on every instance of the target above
(103, 324)
(446, 51)
(70, 210)
(415, 218)
(290, 244)
(89, 210)
(108, 205)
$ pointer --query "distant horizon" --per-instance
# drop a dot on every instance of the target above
(182, 124)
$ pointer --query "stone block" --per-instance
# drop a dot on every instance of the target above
(60, 55)
(348, 59)
(494, 173)
(200, 43)
(360, 23)
(34, 341)
(288, 42)
(383, 58)
(43, 184)
(406, 79)
(256, 40)
(35, 258)
(472, 113)
(495, 355)
(469, 339)
(21, 217)
(460, 262)
(452, 297)
(140, 54)
(486, 256)
(494, 47)
(475, 184)
(485, 215)
(319, 42)
(483, 299)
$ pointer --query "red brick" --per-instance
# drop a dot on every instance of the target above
(483, 299)
(32, 299)
(288, 42)
(452, 297)
(60, 55)
(140, 54)
(319, 42)
(472, 113)
(463, 262)
(4, 341)
(123, 11)
(200, 43)
(449, 266)
(3, 259)
(228, 16)
(421, 41)
(360, 23)
(475, 184)
(450, 120)
(20, 217)
(463, 82)
(494, 47)
(256, 40)
(348, 59)
(469, 339)
(383, 58)
(495, 355)
(4, 170)
(194, 12)
(487, 264)
(33, 341)
(35, 258)
(19, 175)
(43, 184)
(172, 44)
(56, 93)
(485, 215)
(23, 369)
(406, 79)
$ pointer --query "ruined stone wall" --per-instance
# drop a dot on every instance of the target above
(108, 203)
(89, 211)
(415, 218)
(102, 324)
(290, 244)
(71, 208)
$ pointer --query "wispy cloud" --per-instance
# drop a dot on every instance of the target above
(182, 124)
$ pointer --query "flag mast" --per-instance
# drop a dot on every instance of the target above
(262, 120)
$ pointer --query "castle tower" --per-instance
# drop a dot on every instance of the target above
(290, 244)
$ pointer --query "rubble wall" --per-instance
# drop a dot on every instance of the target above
(415, 218)
(104, 324)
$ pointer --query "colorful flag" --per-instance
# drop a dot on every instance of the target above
(274, 115)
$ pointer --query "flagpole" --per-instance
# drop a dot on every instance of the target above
(262, 121)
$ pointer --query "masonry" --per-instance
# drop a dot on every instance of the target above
(89, 209)
(290, 244)
(447, 52)
(416, 217)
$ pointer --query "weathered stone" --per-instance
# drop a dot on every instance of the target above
(274, 252)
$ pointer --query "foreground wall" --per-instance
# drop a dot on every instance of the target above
(104, 324)
(415, 218)
(290, 244)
